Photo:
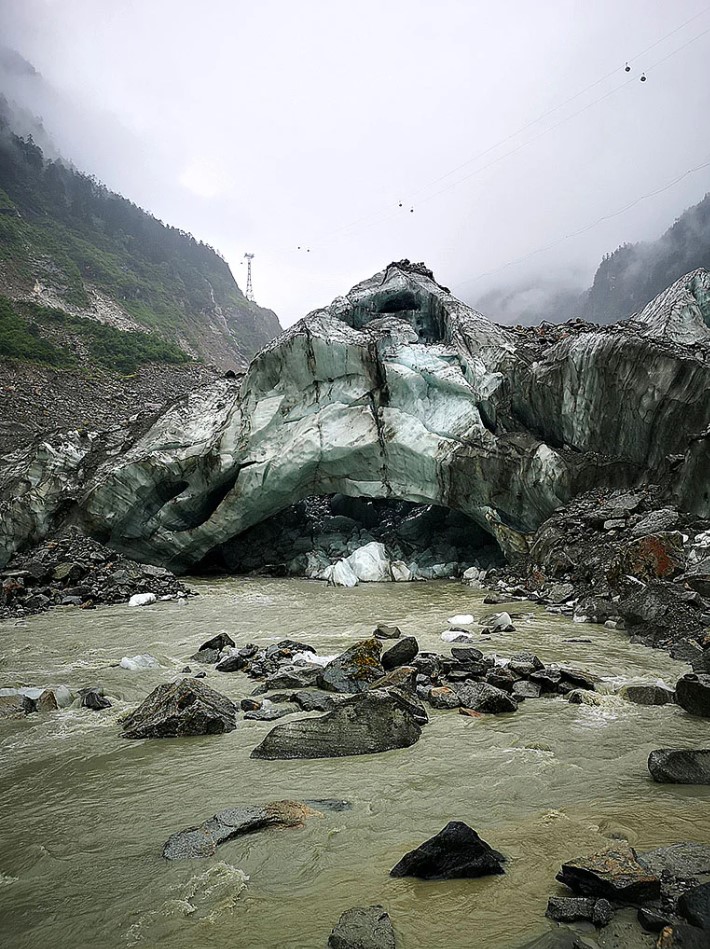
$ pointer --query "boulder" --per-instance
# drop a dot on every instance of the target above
(466, 654)
(363, 724)
(525, 663)
(270, 713)
(383, 631)
(572, 909)
(403, 677)
(293, 677)
(669, 766)
(355, 670)
(363, 927)
(15, 705)
(232, 663)
(483, 697)
(692, 693)
(456, 851)
(583, 697)
(525, 690)
(218, 642)
(647, 694)
(409, 702)
(206, 656)
(177, 709)
(401, 654)
(443, 697)
(613, 874)
(686, 860)
(313, 700)
(694, 905)
(652, 557)
(94, 699)
(203, 840)
(661, 520)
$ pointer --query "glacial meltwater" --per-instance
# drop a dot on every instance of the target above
(85, 812)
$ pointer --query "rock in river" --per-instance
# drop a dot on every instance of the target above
(647, 694)
(176, 709)
(482, 697)
(363, 927)
(614, 874)
(364, 724)
(401, 654)
(669, 766)
(202, 841)
(456, 851)
(355, 669)
(693, 694)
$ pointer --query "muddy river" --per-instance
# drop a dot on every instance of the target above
(85, 812)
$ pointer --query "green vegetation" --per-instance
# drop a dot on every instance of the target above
(68, 230)
(23, 325)
(21, 340)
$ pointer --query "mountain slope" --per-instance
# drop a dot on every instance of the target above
(68, 243)
(624, 283)
(635, 273)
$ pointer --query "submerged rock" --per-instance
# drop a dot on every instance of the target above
(614, 874)
(669, 766)
(456, 851)
(363, 927)
(363, 724)
(177, 709)
(355, 670)
(203, 840)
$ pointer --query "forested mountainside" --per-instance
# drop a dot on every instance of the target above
(79, 262)
(625, 281)
(635, 273)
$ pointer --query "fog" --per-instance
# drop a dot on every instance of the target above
(265, 127)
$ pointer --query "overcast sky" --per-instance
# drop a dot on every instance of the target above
(261, 126)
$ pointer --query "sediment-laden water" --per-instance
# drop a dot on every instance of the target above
(85, 813)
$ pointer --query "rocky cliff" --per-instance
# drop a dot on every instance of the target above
(396, 390)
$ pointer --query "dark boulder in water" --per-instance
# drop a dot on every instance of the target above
(684, 766)
(177, 709)
(456, 851)
(693, 694)
(354, 670)
(614, 874)
(360, 725)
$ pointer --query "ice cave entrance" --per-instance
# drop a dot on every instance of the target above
(305, 539)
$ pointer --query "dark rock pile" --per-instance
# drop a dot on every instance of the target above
(74, 570)
(466, 680)
(668, 888)
(627, 559)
